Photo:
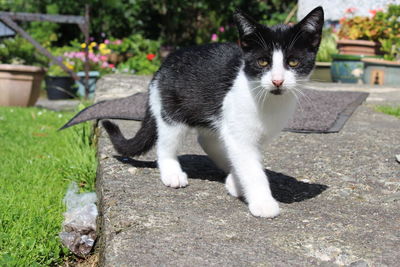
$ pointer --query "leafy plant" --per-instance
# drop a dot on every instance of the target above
(73, 57)
(19, 51)
(391, 42)
(138, 54)
(381, 26)
(327, 47)
(175, 22)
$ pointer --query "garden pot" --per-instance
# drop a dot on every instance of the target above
(60, 87)
(93, 77)
(20, 85)
(381, 72)
(347, 68)
(358, 47)
(322, 72)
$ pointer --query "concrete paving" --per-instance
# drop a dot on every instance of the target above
(339, 196)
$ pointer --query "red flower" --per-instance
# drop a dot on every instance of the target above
(150, 56)
(373, 12)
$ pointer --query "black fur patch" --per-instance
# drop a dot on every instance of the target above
(193, 81)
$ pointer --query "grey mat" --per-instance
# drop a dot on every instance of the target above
(317, 111)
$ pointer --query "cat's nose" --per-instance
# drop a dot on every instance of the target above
(277, 83)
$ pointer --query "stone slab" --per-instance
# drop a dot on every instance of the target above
(337, 193)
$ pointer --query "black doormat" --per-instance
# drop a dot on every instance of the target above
(317, 111)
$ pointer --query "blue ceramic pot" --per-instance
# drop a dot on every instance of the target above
(381, 72)
(347, 68)
(93, 77)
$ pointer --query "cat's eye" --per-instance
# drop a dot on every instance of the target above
(293, 63)
(262, 62)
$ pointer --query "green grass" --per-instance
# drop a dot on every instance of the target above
(395, 111)
(37, 163)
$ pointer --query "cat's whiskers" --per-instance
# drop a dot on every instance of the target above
(259, 93)
(297, 94)
(257, 41)
(295, 38)
(305, 96)
(262, 40)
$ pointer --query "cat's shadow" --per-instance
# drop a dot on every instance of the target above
(285, 189)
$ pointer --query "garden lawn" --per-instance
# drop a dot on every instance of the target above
(395, 111)
(37, 163)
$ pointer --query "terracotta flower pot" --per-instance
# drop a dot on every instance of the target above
(20, 85)
(358, 47)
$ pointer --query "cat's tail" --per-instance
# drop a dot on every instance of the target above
(141, 143)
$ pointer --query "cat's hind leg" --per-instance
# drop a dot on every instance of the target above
(211, 144)
(169, 139)
(214, 148)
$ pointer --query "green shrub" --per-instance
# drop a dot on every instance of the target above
(175, 22)
(19, 51)
(327, 47)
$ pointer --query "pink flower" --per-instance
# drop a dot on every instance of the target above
(111, 66)
(106, 41)
(214, 37)
(221, 29)
(117, 42)
(103, 58)
(104, 65)
(351, 10)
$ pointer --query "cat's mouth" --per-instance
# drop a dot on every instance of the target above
(277, 91)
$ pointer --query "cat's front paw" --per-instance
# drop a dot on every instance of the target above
(268, 209)
(175, 180)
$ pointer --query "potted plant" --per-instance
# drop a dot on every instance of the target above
(386, 71)
(360, 41)
(73, 57)
(59, 84)
(322, 71)
(359, 35)
(20, 80)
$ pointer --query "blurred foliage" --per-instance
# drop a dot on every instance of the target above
(327, 47)
(175, 22)
(391, 42)
(381, 26)
(19, 51)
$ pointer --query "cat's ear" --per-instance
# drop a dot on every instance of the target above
(245, 24)
(312, 25)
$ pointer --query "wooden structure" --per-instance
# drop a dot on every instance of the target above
(9, 18)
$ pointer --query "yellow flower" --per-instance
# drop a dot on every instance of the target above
(68, 65)
(93, 44)
(83, 45)
(102, 46)
(105, 51)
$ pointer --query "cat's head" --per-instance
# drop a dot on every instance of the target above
(280, 56)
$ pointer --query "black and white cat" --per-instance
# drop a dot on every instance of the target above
(237, 97)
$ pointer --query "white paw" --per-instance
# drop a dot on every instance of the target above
(232, 186)
(268, 209)
(175, 180)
